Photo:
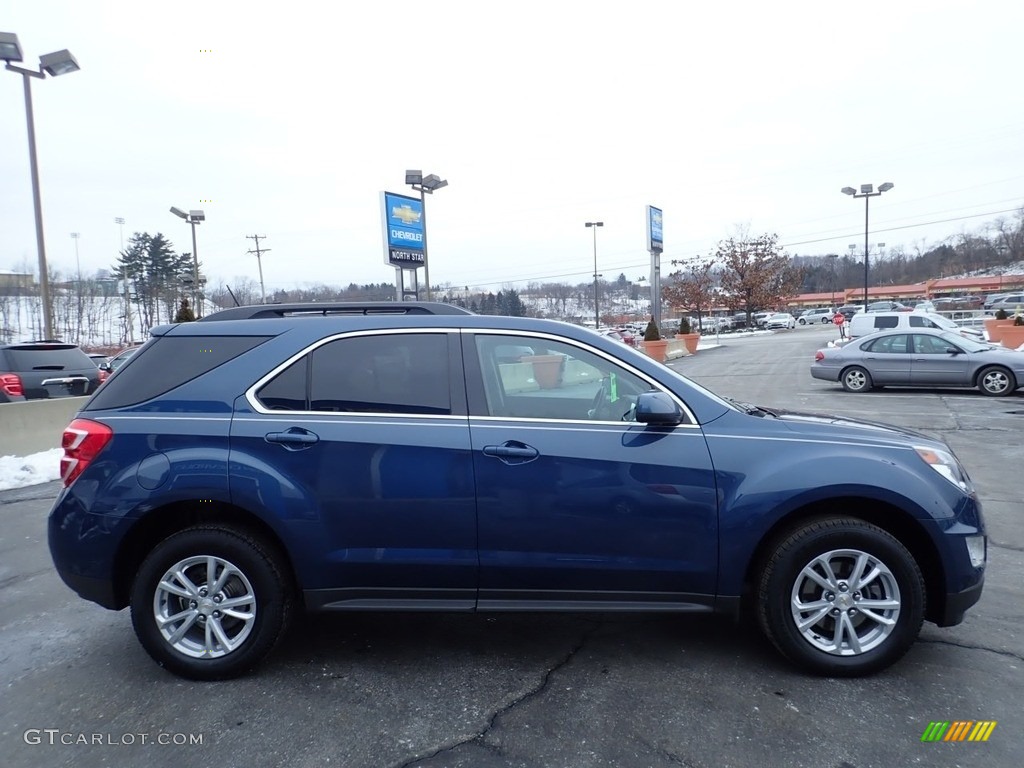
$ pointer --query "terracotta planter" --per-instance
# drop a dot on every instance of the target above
(547, 370)
(1012, 336)
(690, 340)
(994, 328)
(656, 349)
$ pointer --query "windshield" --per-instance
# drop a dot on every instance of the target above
(965, 343)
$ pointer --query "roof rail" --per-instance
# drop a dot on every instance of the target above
(324, 309)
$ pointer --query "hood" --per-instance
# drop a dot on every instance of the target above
(843, 428)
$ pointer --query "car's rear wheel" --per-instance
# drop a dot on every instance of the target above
(996, 381)
(802, 321)
(825, 319)
(841, 597)
(856, 379)
(209, 603)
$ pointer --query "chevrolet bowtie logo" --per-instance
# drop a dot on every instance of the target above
(406, 214)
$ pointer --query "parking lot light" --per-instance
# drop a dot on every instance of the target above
(867, 191)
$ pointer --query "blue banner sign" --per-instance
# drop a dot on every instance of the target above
(655, 240)
(403, 230)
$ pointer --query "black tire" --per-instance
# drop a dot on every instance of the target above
(856, 379)
(996, 381)
(801, 321)
(841, 541)
(254, 575)
(825, 319)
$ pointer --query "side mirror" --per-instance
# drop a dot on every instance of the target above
(658, 409)
(105, 366)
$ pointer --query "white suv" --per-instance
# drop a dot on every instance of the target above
(820, 315)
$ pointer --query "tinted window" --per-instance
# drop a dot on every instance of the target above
(891, 345)
(167, 362)
(556, 381)
(886, 322)
(287, 390)
(386, 373)
(48, 358)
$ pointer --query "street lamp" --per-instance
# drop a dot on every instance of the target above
(597, 315)
(425, 184)
(193, 218)
(78, 263)
(52, 64)
(833, 257)
(867, 191)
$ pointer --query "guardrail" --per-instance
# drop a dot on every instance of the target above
(35, 425)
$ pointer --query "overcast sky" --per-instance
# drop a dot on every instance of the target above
(288, 119)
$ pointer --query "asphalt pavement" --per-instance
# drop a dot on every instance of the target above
(367, 690)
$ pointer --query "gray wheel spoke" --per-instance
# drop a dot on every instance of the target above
(180, 576)
(845, 629)
(811, 621)
(222, 638)
(174, 589)
(184, 627)
(811, 573)
(858, 572)
(235, 602)
(208, 636)
(164, 621)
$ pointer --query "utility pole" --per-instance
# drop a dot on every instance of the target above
(259, 262)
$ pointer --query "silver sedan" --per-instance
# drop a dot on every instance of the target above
(923, 358)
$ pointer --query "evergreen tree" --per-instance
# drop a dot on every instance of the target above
(185, 314)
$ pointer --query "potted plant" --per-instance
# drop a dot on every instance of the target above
(547, 369)
(994, 325)
(1012, 335)
(654, 345)
(686, 334)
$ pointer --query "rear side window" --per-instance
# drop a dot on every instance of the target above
(385, 373)
(165, 363)
(886, 322)
(48, 358)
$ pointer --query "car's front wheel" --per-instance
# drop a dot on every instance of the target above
(841, 597)
(210, 602)
(996, 381)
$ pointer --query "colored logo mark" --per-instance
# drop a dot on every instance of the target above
(405, 213)
(959, 730)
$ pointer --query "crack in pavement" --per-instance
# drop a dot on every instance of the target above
(1011, 654)
(1001, 545)
(537, 690)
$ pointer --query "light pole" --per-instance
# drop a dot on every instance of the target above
(833, 257)
(597, 315)
(867, 192)
(425, 184)
(78, 263)
(52, 64)
(193, 218)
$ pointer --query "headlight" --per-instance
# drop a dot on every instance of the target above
(946, 465)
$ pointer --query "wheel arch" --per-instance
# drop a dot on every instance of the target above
(976, 381)
(171, 518)
(889, 517)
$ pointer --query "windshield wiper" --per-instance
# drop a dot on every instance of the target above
(753, 410)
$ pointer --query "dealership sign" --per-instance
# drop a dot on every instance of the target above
(403, 230)
(655, 240)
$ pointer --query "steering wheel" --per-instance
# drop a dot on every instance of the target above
(603, 409)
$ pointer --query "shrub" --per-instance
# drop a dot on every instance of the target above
(684, 325)
(651, 332)
(1018, 320)
(1001, 314)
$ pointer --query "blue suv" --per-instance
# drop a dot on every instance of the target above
(416, 456)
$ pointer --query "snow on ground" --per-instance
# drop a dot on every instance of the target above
(21, 471)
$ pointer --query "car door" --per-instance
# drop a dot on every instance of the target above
(889, 359)
(938, 363)
(577, 504)
(360, 444)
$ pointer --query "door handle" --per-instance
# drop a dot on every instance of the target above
(294, 439)
(512, 452)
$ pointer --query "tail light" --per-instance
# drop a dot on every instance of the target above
(819, 356)
(82, 442)
(10, 383)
